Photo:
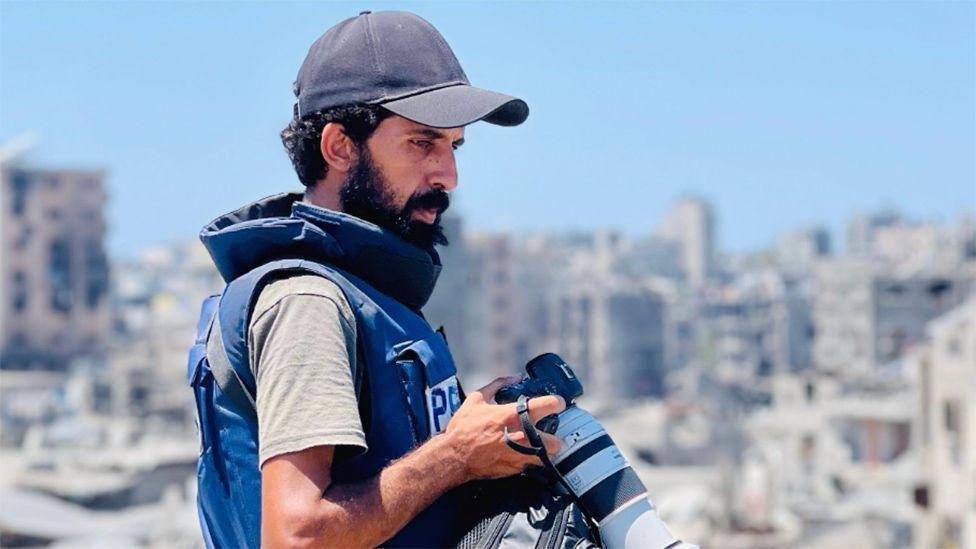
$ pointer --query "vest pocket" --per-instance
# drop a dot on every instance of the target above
(429, 383)
(410, 369)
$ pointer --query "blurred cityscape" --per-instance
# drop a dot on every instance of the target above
(798, 396)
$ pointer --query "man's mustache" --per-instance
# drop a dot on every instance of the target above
(436, 199)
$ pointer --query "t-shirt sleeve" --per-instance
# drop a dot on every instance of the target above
(302, 344)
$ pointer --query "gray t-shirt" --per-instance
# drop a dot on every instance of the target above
(302, 345)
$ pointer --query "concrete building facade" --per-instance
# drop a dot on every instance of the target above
(944, 431)
(613, 337)
(691, 223)
(55, 277)
(864, 316)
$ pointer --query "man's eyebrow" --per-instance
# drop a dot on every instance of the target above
(434, 134)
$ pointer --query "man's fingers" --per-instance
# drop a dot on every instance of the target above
(552, 442)
(487, 393)
(540, 407)
(518, 437)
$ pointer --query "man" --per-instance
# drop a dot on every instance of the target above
(329, 410)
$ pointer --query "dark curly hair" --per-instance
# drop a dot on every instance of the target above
(302, 136)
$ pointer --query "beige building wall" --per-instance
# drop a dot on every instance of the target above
(55, 272)
(945, 432)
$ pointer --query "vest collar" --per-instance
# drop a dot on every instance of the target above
(387, 262)
(282, 226)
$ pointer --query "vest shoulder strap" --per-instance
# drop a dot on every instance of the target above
(227, 352)
(208, 310)
(226, 375)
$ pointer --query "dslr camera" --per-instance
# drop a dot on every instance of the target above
(589, 464)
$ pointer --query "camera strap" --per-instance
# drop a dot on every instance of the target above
(538, 449)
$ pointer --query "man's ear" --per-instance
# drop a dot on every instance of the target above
(338, 150)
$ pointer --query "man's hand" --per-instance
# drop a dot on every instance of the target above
(300, 506)
(476, 432)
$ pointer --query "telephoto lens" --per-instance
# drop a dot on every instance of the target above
(606, 487)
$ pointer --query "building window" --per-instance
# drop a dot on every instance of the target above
(808, 448)
(21, 182)
(96, 274)
(940, 292)
(952, 416)
(59, 275)
(19, 341)
(20, 294)
(24, 238)
(954, 347)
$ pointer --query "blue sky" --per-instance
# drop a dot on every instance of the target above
(780, 113)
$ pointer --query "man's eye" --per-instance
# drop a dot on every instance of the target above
(423, 143)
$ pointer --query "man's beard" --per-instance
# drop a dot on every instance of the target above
(365, 194)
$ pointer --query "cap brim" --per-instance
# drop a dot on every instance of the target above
(460, 105)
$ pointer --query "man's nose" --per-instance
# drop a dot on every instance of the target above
(444, 173)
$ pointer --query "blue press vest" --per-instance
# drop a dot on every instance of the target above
(401, 357)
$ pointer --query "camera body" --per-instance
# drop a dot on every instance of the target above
(589, 463)
(548, 374)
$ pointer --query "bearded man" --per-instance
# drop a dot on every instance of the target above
(330, 411)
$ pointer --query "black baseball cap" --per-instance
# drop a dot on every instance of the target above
(399, 61)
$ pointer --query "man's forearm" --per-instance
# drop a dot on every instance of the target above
(369, 512)
(301, 506)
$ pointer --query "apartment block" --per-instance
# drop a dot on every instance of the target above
(55, 277)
